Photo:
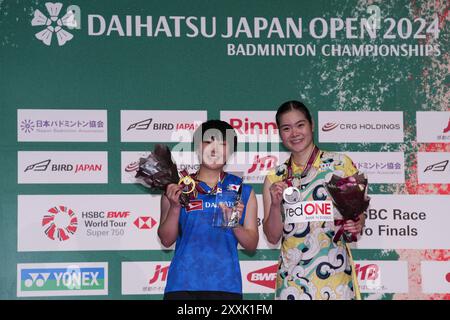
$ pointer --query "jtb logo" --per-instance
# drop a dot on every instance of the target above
(159, 270)
(264, 163)
(367, 272)
(448, 127)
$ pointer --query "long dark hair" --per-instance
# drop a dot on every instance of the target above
(293, 105)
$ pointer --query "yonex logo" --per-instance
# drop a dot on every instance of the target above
(70, 278)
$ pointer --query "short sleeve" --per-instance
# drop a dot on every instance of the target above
(348, 166)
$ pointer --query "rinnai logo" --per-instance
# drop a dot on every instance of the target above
(159, 271)
(263, 163)
(145, 223)
(54, 25)
(194, 205)
(264, 277)
(60, 223)
(141, 125)
(437, 167)
(329, 126)
(40, 166)
(367, 272)
(256, 126)
(251, 127)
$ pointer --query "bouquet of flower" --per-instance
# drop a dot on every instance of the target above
(349, 196)
(158, 170)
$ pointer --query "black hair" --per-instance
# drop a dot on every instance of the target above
(293, 105)
(216, 129)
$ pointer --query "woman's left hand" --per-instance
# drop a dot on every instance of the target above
(239, 208)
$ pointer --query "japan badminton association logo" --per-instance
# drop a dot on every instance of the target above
(54, 24)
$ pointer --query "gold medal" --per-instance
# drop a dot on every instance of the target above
(187, 180)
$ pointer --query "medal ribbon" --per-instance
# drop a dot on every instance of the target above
(305, 171)
(199, 188)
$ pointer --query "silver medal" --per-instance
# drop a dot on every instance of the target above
(291, 195)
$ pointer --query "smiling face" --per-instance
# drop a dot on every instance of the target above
(296, 131)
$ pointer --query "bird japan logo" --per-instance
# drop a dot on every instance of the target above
(55, 25)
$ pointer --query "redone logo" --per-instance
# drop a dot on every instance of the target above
(310, 209)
